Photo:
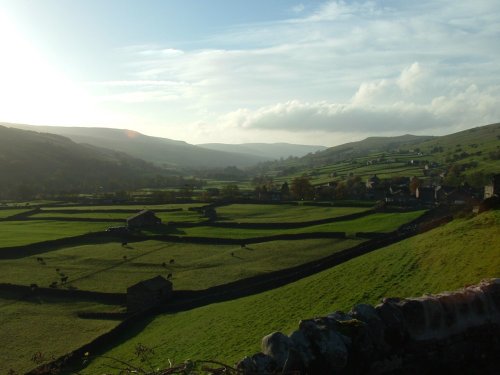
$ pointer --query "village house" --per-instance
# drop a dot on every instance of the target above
(148, 293)
(493, 188)
(145, 218)
(426, 195)
(399, 194)
(373, 182)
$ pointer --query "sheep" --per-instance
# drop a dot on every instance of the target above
(169, 276)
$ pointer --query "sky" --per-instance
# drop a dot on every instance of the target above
(233, 71)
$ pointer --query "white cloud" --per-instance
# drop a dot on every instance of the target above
(299, 8)
(342, 67)
(384, 106)
(409, 77)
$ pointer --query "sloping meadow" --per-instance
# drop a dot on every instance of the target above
(449, 257)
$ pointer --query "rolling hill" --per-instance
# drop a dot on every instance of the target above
(365, 147)
(161, 151)
(32, 162)
(268, 150)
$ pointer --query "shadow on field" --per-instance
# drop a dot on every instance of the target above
(108, 343)
(164, 229)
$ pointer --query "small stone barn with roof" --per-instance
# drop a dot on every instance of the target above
(148, 293)
(144, 218)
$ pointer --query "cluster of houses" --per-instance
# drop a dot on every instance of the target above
(403, 193)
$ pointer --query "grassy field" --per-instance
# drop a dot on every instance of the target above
(47, 325)
(84, 215)
(137, 207)
(103, 267)
(176, 216)
(266, 213)
(16, 233)
(379, 222)
(12, 211)
(462, 252)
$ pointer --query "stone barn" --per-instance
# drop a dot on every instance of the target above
(492, 189)
(148, 293)
(145, 218)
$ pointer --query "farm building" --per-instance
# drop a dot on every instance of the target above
(145, 218)
(492, 189)
(426, 195)
(148, 293)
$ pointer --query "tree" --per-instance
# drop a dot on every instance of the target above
(415, 183)
(356, 188)
(230, 191)
(186, 192)
(454, 177)
(301, 188)
(285, 191)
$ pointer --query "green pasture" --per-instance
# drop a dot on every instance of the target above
(176, 216)
(11, 211)
(17, 233)
(181, 216)
(378, 222)
(104, 267)
(449, 257)
(268, 213)
(83, 215)
(45, 325)
(137, 207)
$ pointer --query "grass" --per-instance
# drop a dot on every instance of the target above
(17, 233)
(176, 216)
(44, 325)
(10, 212)
(84, 215)
(181, 216)
(262, 213)
(462, 252)
(103, 268)
(137, 207)
(379, 222)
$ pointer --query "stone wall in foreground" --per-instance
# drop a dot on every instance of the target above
(452, 331)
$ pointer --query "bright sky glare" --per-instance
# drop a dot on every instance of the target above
(233, 71)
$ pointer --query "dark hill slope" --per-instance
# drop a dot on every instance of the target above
(162, 151)
(32, 162)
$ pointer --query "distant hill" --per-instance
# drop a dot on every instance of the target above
(366, 146)
(269, 150)
(478, 143)
(470, 156)
(32, 162)
(162, 151)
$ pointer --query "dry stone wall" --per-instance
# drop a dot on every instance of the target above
(451, 331)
